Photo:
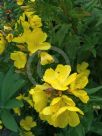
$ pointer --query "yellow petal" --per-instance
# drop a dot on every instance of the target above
(28, 133)
(17, 111)
(46, 114)
(74, 109)
(71, 78)
(38, 35)
(82, 95)
(52, 78)
(9, 37)
(2, 48)
(73, 119)
(42, 87)
(56, 100)
(68, 100)
(19, 39)
(26, 27)
(29, 101)
(32, 0)
(20, 2)
(61, 118)
(19, 58)
(39, 99)
(34, 46)
(64, 117)
(80, 82)
(46, 58)
(86, 72)
(63, 71)
(2, 43)
(81, 67)
(35, 21)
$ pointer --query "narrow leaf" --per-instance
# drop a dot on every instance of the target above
(13, 104)
(93, 90)
(11, 83)
(9, 121)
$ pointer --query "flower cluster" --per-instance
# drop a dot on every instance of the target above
(32, 39)
(56, 100)
(52, 100)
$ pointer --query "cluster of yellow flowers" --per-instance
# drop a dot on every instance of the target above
(33, 40)
(52, 100)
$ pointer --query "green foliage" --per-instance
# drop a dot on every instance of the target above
(94, 90)
(9, 85)
(9, 121)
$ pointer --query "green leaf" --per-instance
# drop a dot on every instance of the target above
(97, 128)
(77, 131)
(12, 82)
(88, 118)
(72, 46)
(14, 103)
(1, 79)
(66, 5)
(93, 90)
(70, 131)
(60, 35)
(95, 99)
(9, 121)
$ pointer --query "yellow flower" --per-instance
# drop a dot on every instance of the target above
(29, 133)
(26, 133)
(61, 112)
(20, 97)
(21, 19)
(1, 124)
(2, 43)
(39, 96)
(28, 100)
(17, 111)
(82, 68)
(35, 21)
(20, 2)
(27, 123)
(19, 58)
(9, 37)
(60, 78)
(67, 115)
(35, 39)
(77, 88)
(7, 28)
(46, 58)
(32, 0)
(28, 13)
